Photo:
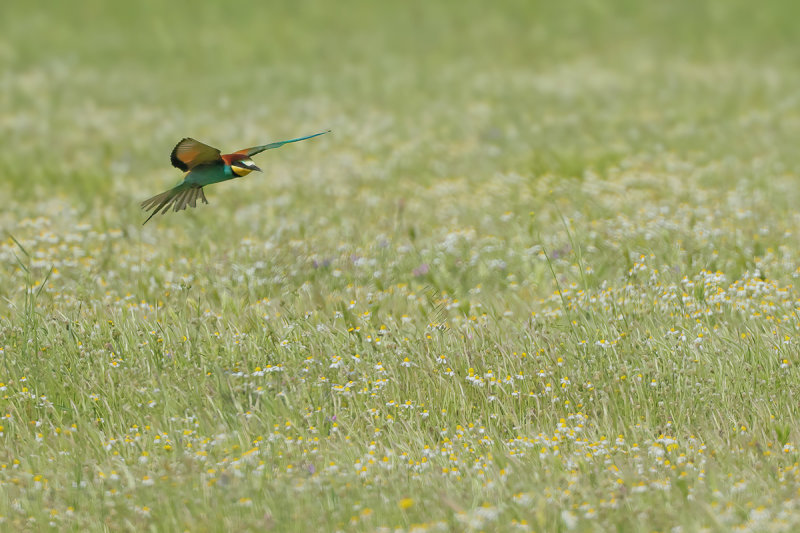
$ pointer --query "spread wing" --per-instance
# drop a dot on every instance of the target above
(250, 152)
(189, 153)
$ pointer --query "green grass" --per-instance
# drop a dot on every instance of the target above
(539, 278)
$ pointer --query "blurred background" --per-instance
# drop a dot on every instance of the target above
(95, 94)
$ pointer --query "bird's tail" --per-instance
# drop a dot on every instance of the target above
(177, 198)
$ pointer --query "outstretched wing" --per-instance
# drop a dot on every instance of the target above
(189, 153)
(250, 152)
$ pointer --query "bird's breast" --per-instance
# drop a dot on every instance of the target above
(206, 175)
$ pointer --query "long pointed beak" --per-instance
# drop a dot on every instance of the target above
(256, 169)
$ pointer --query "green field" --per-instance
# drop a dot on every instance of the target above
(540, 277)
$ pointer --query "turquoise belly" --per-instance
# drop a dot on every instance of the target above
(206, 175)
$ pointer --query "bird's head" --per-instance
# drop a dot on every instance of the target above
(244, 166)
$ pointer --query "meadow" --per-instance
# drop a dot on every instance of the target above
(540, 277)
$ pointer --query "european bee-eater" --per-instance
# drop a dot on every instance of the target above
(205, 165)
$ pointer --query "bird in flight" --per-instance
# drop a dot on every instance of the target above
(205, 165)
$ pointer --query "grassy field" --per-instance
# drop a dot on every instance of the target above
(540, 277)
